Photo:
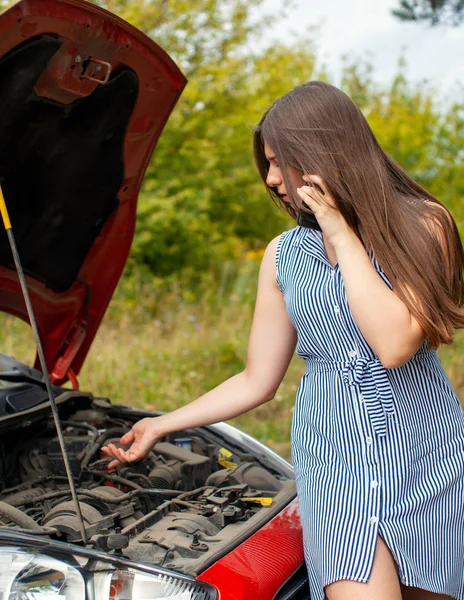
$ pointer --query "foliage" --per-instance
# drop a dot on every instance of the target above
(425, 139)
(436, 12)
(202, 191)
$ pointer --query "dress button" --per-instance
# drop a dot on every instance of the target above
(352, 353)
(374, 483)
(369, 441)
(373, 520)
(361, 397)
(337, 309)
(332, 274)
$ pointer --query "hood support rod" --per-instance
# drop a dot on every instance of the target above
(43, 362)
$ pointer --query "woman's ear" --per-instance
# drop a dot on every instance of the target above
(308, 181)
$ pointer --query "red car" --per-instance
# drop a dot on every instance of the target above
(210, 513)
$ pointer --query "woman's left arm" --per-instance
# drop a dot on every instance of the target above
(383, 319)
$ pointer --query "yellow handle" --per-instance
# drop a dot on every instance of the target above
(4, 211)
(262, 501)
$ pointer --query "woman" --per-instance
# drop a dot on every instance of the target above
(366, 287)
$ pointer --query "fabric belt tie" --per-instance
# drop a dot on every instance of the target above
(370, 377)
(374, 385)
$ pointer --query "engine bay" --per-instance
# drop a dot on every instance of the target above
(194, 496)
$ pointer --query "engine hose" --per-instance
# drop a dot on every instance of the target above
(85, 426)
(115, 479)
(99, 442)
(90, 452)
(25, 486)
(142, 477)
(41, 531)
(19, 518)
(183, 503)
(130, 495)
(193, 492)
(93, 430)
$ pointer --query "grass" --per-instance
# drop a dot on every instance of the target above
(166, 357)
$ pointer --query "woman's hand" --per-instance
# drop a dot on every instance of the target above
(143, 436)
(318, 198)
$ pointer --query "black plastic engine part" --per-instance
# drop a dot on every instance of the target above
(249, 473)
(112, 541)
(75, 446)
(165, 476)
(33, 462)
(194, 468)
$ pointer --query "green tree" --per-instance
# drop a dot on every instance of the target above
(424, 137)
(202, 180)
(435, 12)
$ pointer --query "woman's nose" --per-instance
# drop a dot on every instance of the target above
(273, 179)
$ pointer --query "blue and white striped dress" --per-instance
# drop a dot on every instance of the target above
(376, 451)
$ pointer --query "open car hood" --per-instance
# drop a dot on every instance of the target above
(84, 98)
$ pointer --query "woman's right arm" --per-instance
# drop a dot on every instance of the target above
(270, 349)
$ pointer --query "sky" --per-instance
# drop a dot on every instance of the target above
(366, 28)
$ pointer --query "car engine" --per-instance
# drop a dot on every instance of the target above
(189, 500)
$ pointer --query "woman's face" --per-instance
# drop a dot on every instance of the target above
(275, 179)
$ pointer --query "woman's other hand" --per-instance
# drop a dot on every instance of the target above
(142, 437)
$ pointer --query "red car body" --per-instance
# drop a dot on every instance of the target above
(261, 566)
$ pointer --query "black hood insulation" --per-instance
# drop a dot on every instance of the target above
(61, 166)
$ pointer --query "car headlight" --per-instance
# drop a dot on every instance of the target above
(27, 576)
(30, 575)
(124, 585)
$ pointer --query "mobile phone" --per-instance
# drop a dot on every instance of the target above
(308, 219)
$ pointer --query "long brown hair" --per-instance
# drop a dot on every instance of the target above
(317, 129)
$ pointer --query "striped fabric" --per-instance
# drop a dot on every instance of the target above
(375, 451)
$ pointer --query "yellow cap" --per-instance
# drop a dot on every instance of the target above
(262, 501)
